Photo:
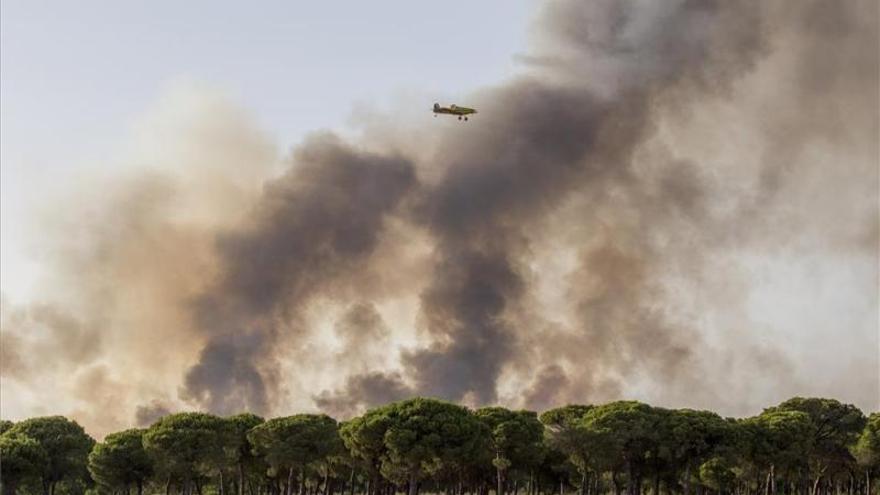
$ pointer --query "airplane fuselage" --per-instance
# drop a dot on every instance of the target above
(454, 110)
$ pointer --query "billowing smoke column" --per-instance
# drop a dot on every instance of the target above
(312, 226)
(478, 213)
(571, 129)
(546, 139)
(578, 241)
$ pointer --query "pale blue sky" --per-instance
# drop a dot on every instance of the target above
(75, 74)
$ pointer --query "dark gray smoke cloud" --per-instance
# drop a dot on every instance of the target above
(147, 414)
(311, 228)
(360, 329)
(613, 69)
(363, 391)
(548, 142)
(574, 129)
(546, 391)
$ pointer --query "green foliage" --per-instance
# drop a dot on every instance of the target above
(809, 445)
(295, 441)
(238, 427)
(867, 448)
(423, 435)
(688, 438)
(516, 436)
(364, 437)
(628, 429)
(5, 424)
(717, 473)
(120, 460)
(186, 445)
(566, 417)
(834, 424)
(65, 443)
(238, 449)
(21, 459)
(776, 437)
(567, 433)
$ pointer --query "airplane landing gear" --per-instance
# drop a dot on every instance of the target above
(465, 118)
(459, 117)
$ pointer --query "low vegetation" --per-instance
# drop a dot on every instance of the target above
(804, 446)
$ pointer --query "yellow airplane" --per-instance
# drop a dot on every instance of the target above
(461, 112)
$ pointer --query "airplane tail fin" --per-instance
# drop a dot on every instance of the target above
(436, 106)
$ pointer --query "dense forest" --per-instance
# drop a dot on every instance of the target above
(803, 446)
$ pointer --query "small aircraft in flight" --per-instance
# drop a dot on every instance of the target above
(461, 112)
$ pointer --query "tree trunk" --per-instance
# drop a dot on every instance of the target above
(412, 489)
(687, 478)
(289, 488)
(631, 479)
(140, 486)
(499, 479)
(657, 483)
(617, 487)
(773, 479)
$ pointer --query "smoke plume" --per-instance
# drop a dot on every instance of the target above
(623, 219)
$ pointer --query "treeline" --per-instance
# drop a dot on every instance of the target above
(804, 446)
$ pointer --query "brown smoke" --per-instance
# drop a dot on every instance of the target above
(363, 391)
(311, 228)
(596, 232)
(148, 414)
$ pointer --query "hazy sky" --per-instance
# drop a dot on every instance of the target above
(76, 76)
(673, 201)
